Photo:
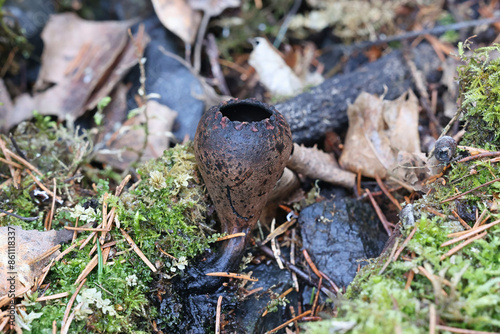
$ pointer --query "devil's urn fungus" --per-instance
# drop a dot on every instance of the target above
(241, 147)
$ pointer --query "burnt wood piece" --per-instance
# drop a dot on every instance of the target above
(324, 108)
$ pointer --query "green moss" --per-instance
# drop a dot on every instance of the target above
(479, 81)
(166, 209)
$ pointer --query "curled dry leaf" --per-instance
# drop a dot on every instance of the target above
(278, 78)
(383, 139)
(28, 247)
(178, 17)
(317, 164)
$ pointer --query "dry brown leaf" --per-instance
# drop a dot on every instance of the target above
(178, 17)
(124, 149)
(29, 246)
(6, 107)
(82, 62)
(213, 7)
(123, 63)
(317, 164)
(77, 56)
(382, 137)
(278, 78)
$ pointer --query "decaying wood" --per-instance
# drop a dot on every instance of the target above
(324, 108)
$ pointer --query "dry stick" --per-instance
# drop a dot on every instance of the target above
(315, 302)
(379, 212)
(311, 264)
(279, 230)
(386, 192)
(8, 160)
(217, 315)
(92, 229)
(11, 163)
(407, 240)
(75, 233)
(462, 245)
(231, 236)
(284, 294)
(294, 269)
(480, 219)
(332, 283)
(45, 272)
(432, 319)
(389, 259)
(168, 255)
(18, 217)
(88, 268)
(411, 274)
(136, 249)
(24, 162)
(54, 327)
(292, 259)
(462, 330)
(470, 233)
(431, 31)
(53, 206)
(430, 277)
(296, 323)
(4, 323)
(283, 325)
(45, 254)
(478, 156)
(65, 328)
(51, 297)
(434, 212)
(469, 191)
(122, 185)
(71, 301)
(233, 275)
(464, 224)
(44, 188)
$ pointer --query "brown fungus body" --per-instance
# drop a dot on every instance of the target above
(241, 147)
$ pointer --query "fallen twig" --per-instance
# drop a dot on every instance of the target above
(217, 315)
(379, 212)
(386, 192)
(283, 325)
(470, 233)
(233, 275)
(462, 245)
(136, 249)
(71, 301)
(407, 240)
(469, 191)
(462, 330)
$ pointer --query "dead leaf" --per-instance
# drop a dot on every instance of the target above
(29, 246)
(82, 62)
(124, 149)
(213, 7)
(178, 17)
(6, 107)
(382, 137)
(278, 78)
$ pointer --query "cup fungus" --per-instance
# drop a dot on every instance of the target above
(241, 147)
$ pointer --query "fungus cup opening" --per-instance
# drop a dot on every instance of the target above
(245, 112)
